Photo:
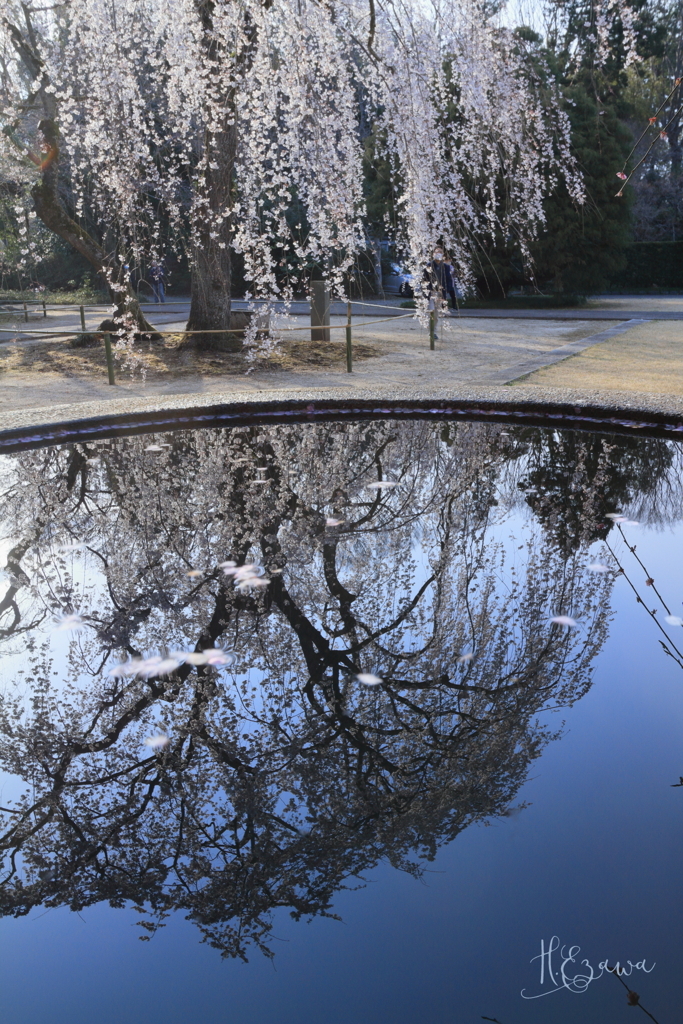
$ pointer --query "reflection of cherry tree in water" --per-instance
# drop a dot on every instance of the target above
(571, 479)
(286, 776)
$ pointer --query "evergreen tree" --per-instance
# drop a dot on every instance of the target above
(583, 247)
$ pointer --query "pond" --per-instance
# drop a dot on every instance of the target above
(374, 721)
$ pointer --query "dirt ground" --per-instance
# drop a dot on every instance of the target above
(169, 359)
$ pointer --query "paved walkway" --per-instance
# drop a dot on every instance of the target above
(641, 352)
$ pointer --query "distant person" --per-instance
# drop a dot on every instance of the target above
(438, 278)
(156, 278)
(452, 282)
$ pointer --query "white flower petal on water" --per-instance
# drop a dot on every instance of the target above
(189, 657)
(674, 620)
(127, 668)
(380, 485)
(194, 573)
(157, 666)
(614, 515)
(334, 522)
(69, 622)
(251, 583)
(465, 657)
(564, 620)
(154, 448)
(243, 572)
(217, 657)
(598, 567)
(249, 575)
(368, 679)
(250, 570)
(227, 565)
(157, 742)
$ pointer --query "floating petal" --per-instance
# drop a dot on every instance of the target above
(368, 679)
(69, 622)
(251, 583)
(157, 666)
(127, 668)
(215, 656)
(157, 742)
(190, 657)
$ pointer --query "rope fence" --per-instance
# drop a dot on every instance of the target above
(178, 302)
(314, 329)
(19, 306)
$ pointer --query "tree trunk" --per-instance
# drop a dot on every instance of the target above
(45, 192)
(210, 309)
(375, 247)
(49, 208)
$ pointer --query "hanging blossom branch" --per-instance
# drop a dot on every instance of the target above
(649, 582)
(633, 997)
(660, 134)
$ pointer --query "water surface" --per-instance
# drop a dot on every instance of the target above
(368, 779)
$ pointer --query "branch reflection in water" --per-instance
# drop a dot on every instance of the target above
(270, 773)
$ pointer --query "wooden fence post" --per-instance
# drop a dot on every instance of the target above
(82, 309)
(349, 349)
(320, 311)
(110, 358)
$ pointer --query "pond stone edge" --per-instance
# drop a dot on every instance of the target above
(647, 414)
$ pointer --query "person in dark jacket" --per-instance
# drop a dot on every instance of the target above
(438, 277)
(452, 283)
(156, 278)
